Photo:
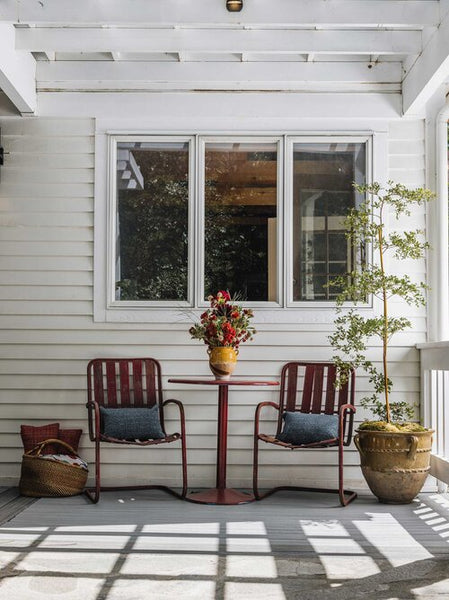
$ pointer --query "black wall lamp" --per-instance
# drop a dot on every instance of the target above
(234, 5)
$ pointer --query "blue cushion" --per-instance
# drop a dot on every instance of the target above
(131, 423)
(306, 428)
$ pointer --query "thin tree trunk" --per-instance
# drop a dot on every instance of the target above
(385, 319)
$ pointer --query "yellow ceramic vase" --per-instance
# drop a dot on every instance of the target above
(222, 361)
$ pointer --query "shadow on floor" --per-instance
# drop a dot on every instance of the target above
(291, 546)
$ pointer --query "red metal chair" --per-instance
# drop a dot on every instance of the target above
(309, 387)
(128, 383)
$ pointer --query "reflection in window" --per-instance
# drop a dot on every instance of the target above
(240, 219)
(151, 256)
(322, 196)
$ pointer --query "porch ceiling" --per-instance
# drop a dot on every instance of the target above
(386, 46)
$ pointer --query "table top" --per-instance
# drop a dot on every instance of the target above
(223, 381)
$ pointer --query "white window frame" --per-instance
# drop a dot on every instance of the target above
(283, 312)
(112, 303)
(201, 172)
(290, 142)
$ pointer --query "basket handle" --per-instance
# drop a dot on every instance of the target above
(38, 449)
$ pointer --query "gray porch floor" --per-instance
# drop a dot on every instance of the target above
(291, 546)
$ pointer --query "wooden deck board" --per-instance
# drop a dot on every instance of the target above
(290, 546)
(11, 503)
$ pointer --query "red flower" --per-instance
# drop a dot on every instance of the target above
(211, 330)
(223, 295)
(228, 328)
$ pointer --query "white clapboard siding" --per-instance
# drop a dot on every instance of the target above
(25, 160)
(33, 144)
(49, 293)
(46, 204)
(49, 234)
(72, 384)
(259, 349)
(183, 362)
(18, 322)
(42, 176)
(52, 278)
(44, 307)
(45, 219)
(43, 248)
(46, 190)
(47, 332)
(45, 264)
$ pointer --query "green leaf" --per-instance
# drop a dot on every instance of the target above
(354, 331)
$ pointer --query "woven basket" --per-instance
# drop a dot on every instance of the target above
(41, 477)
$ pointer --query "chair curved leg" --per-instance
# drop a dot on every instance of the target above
(256, 468)
(184, 466)
(94, 493)
(346, 496)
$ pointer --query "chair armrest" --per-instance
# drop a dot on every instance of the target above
(345, 423)
(94, 423)
(182, 419)
(258, 411)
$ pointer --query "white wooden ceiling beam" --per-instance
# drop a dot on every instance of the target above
(261, 12)
(125, 75)
(48, 39)
(17, 72)
(430, 70)
(248, 111)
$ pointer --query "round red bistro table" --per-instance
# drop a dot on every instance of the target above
(221, 494)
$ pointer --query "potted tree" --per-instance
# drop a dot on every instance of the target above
(394, 452)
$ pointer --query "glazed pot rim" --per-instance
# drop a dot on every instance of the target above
(391, 433)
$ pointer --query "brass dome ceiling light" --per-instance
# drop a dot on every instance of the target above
(234, 5)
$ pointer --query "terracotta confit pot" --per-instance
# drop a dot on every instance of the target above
(222, 361)
(395, 465)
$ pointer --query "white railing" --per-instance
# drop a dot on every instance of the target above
(435, 405)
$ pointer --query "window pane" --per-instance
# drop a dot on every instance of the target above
(240, 219)
(322, 196)
(152, 221)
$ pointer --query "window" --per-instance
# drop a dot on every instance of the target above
(322, 196)
(259, 216)
(152, 217)
(240, 219)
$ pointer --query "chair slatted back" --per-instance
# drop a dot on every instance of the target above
(309, 387)
(111, 385)
(330, 390)
(124, 382)
(137, 382)
(150, 372)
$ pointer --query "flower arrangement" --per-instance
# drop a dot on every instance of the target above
(224, 324)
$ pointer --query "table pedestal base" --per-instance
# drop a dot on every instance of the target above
(220, 496)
